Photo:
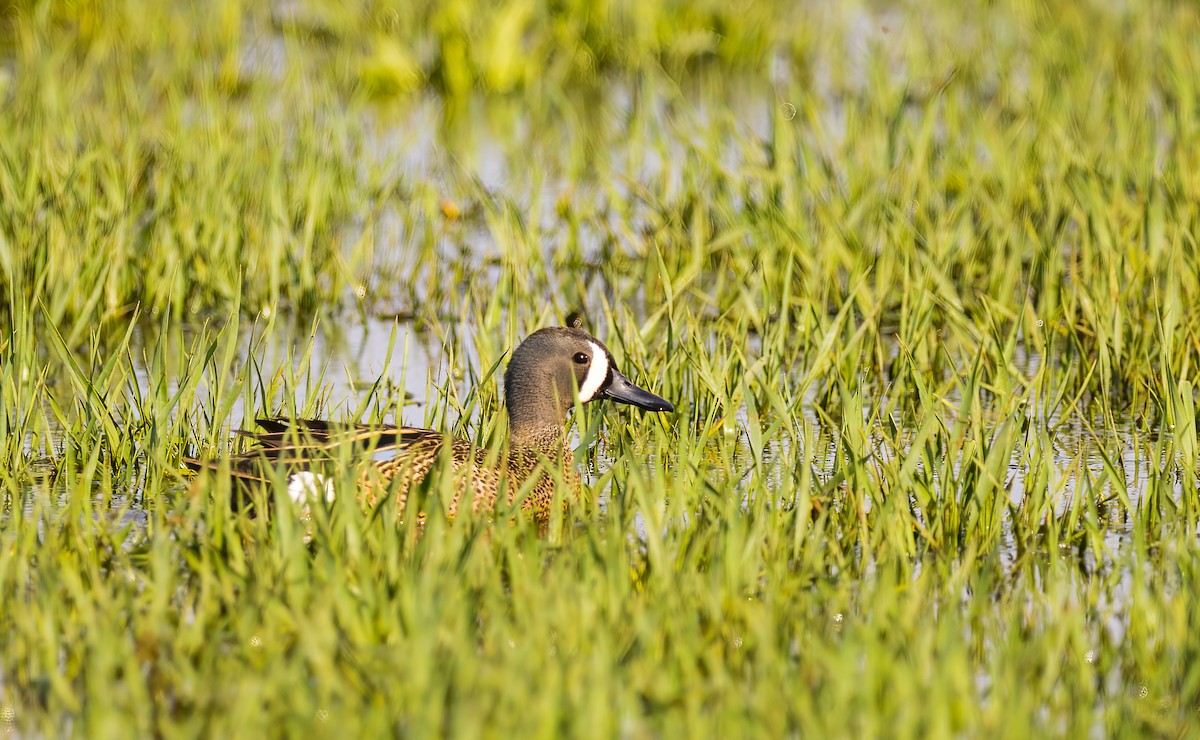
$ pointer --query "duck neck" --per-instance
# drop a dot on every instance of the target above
(535, 422)
(546, 439)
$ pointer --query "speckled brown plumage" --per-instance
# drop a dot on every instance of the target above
(404, 456)
(478, 474)
(541, 382)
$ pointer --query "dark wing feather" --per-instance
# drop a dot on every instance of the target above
(242, 468)
(301, 442)
(283, 434)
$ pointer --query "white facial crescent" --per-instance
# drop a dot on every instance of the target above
(596, 374)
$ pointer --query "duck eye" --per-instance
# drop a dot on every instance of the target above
(582, 358)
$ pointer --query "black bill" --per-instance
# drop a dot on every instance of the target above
(621, 389)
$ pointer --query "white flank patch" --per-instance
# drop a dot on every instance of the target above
(306, 485)
(596, 374)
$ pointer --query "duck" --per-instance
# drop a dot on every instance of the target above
(546, 373)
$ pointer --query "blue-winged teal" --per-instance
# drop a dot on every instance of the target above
(539, 385)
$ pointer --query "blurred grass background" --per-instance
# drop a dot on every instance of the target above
(920, 276)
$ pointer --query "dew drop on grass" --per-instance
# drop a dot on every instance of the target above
(788, 110)
(266, 312)
(361, 292)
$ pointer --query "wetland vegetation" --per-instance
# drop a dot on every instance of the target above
(920, 279)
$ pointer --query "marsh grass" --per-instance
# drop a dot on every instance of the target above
(924, 295)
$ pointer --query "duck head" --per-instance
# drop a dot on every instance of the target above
(550, 365)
